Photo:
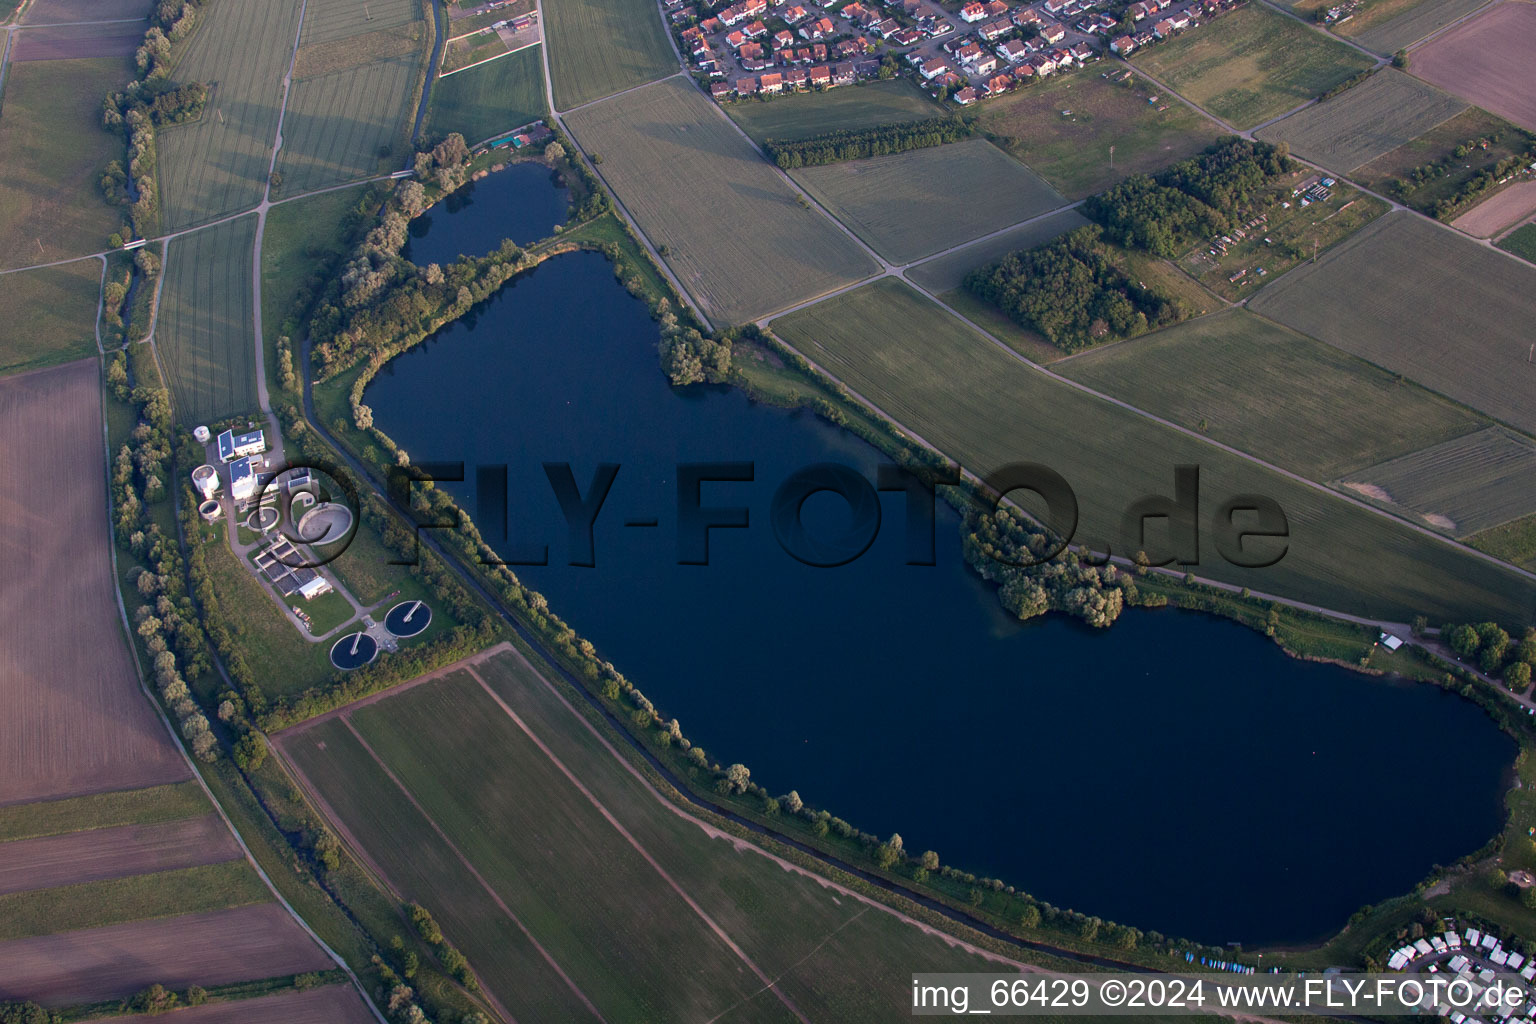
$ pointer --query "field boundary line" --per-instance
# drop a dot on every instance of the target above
(475, 873)
(505, 53)
(618, 826)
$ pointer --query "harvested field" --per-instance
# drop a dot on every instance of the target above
(1392, 25)
(1521, 242)
(986, 408)
(76, 42)
(733, 231)
(1251, 64)
(600, 47)
(51, 207)
(327, 20)
(315, 59)
(1487, 61)
(491, 99)
(102, 810)
(1424, 301)
(204, 333)
(803, 114)
(215, 948)
(1071, 150)
(1502, 210)
(218, 165)
(946, 272)
(72, 717)
(1387, 110)
(348, 124)
(917, 203)
(1282, 396)
(55, 12)
(114, 852)
(1463, 486)
(333, 1004)
(49, 314)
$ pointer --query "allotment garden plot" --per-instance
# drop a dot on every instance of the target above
(1463, 486)
(731, 228)
(1487, 61)
(1251, 64)
(914, 204)
(204, 334)
(986, 408)
(1422, 300)
(1370, 120)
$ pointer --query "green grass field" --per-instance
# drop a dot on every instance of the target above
(148, 806)
(300, 236)
(1462, 486)
(800, 115)
(1388, 110)
(462, 53)
(348, 124)
(49, 315)
(1424, 301)
(1521, 242)
(1282, 396)
(218, 165)
(1437, 144)
(734, 234)
(835, 957)
(600, 47)
(917, 203)
(484, 101)
(24, 915)
(204, 332)
(1387, 26)
(986, 408)
(1515, 542)
(328, 20)
(1071, 150)
(54, 150)
(945, 272)
(1251, 64)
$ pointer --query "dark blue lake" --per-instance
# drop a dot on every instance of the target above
(520, 202)
(1177, 772)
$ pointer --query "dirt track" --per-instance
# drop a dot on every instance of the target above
(1488, 61)
(72, 717)
(334, 1004)
(114, 853)
(216, 948)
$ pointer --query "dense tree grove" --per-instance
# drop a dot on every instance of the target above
(27, 1013)
(1195, 198)
(1490, 647)
(833, 147)
(690, 357)
(1072, 292)
(1062, 583)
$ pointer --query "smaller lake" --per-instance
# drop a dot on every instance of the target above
(521, 202)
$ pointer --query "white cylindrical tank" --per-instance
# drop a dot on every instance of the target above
(206, 480)
(210, 510)
(201, 434)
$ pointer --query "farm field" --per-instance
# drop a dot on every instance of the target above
(1251, 64)
(53, 12)
(1438, 147)
(348, 124)
(299, 235)
(50, 132)
(777, 917)
(985, 408)
(1421, 300)
(213, 948)
(1290, 400)
(72, 717)
(490, 99)
(333, 1004)
(103, 853)
(914, 204)
(1285, 238)
(49, 314)
(1071, 151)
(1521, 242)
(758, 250)
(75, 42)
(942, 273)
(203, 333)
(1463, 486)
(218, 165)
(1515, 542)
(1502, 210)
(148, 806)
(462, 53)
(600, 47)
(315, 59)
(329, 20)
(1391, 25)
(1387, 110)
(801, 115)
(1487, 61)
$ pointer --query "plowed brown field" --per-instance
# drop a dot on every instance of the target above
(114, 853)
(334, 1004)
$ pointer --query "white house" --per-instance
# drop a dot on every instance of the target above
(234, 446)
